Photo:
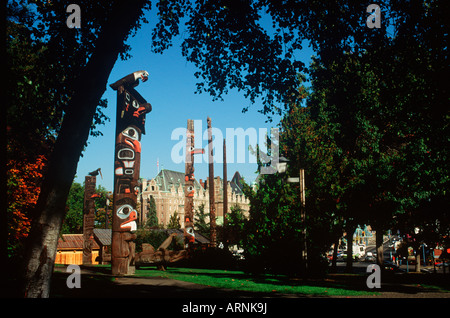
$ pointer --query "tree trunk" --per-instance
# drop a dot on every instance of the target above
(50, 209)
(379, 246)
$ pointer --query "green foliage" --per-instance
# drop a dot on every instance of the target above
(152, 218)
(42, 69)
(73, 222)
(200, 224)
(155, 237)
(272, 238)
(209, 257)
(100, 208)
(174, 221)
(32, 114)
(373, 134)
(235, 225)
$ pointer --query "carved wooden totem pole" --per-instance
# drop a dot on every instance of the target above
(225, 184)
(212, 201)
(189, 236)
(89, 214)
(130, 125)
(88, 218)
(225, 194)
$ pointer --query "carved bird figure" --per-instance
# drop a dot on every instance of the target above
(131, 79)
(96, 172)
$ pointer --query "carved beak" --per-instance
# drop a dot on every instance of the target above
(130, 224)
(136, 144)
(198, 151)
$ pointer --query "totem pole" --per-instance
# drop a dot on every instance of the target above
(88, 218)
(130, 125)
(225, 183)
(225, 194)
(189, 236)
(212, 205)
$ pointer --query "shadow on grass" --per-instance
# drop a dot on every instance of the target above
(349, 284)
(104, 286)
(96, 282)
(269, 284)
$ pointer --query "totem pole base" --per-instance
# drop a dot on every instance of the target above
(123, 248)
(120, 267)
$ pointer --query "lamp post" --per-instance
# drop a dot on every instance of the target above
(282, 165)
(282, 168)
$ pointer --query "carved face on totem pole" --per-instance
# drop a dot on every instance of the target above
(127, 166)
(127, 214)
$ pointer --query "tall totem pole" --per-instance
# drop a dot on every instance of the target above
(88, 218)
(225, 193)
(189, 235)
(130, 125)
(89, 214)
(212, 201)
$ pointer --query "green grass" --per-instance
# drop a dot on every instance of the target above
(266, 283)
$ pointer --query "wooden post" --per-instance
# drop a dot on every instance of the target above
(130, 125)
(88, 218)
(212, 206)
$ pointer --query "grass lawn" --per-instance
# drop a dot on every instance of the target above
(265, 283)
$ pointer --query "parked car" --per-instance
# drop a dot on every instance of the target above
(370, 257)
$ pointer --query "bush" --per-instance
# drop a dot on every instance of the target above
(209, 258)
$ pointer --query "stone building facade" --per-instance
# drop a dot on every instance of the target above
(167, 188)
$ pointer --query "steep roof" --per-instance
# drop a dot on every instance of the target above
(166, 179)
(235, 183)
(103, 236)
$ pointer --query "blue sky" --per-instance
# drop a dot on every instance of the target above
(171, 91)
